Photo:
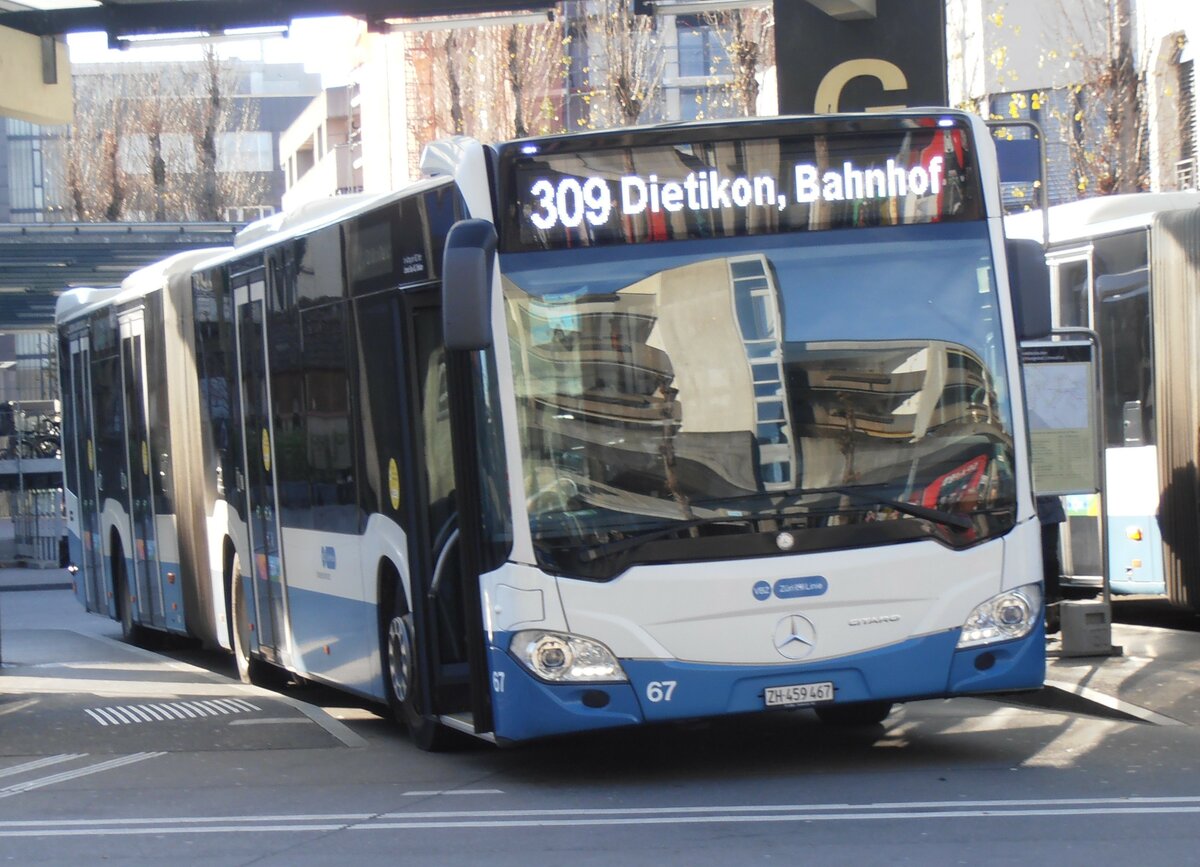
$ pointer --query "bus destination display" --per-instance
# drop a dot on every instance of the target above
(569, 202)
(635, 194)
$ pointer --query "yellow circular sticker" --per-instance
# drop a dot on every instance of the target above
(394, 483)
(266, 450)
(145, 458)
(91, 456)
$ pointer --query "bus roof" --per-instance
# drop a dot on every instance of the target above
(146, 280)
(306, 219)
(76, 302)
(80, 302)
(849, 118)
(307, 212)
(1099, 215)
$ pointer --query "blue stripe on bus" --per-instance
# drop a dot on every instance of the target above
(524, 707)
(348, 627)
(928, 667)
(75, 558)
(173, 603)
(1135, 567)
(172, 597)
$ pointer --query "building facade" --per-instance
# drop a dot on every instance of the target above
(41, 171)
(414, 82)
(1111, 83)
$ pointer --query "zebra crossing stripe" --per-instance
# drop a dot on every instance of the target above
(153, 713)
(169, 712)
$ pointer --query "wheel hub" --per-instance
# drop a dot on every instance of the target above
(400, 657)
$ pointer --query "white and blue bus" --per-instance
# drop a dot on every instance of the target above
(127, 415)
(630, 426)
(1127, 267)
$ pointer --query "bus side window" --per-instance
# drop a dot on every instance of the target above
(1073, 294)
(380, 344)
(1122, 287)
(435, 418)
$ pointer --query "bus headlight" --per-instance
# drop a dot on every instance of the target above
(562, 658)
(1011, 614)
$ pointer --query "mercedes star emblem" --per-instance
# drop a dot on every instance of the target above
(795, 636)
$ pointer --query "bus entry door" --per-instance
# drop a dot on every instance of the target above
(147, 577)
(84, 441)
(258, 484)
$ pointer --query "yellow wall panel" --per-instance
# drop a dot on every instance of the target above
(23, 94)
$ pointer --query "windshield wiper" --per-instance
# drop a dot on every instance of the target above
(937, 516)
(860, 492)
(595, 552)
(947, 519)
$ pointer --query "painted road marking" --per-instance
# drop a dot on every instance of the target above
(169, 711)
(579, 817)
(420, 794)
(119, 762)
(38, 764)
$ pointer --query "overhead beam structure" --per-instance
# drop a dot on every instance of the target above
(123, 18)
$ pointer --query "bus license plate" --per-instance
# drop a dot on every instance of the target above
(799, 693)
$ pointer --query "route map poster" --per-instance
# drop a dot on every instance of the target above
(1061, 399)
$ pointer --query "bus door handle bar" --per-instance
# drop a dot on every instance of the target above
(439, 568)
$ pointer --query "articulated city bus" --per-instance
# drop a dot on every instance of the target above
(128, 409)
(1127, 267)
(630, 426)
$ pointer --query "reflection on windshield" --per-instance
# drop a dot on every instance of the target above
(685, 395)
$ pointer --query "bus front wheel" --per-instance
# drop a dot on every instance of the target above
(403, 679)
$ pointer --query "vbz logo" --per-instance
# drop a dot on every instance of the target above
(328, 557)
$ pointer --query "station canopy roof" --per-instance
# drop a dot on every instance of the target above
(40, 260)
(123, 18)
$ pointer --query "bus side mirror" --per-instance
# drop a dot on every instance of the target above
(467, 285)
(1029, 277)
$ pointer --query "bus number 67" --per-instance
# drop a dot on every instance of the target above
(660, 690)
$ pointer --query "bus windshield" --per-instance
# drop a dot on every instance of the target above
(670, 383)
(802, 361)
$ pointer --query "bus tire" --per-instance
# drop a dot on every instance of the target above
(239, 623)
(859, 713)
(250, 668)
(402, 679)
(132, 632)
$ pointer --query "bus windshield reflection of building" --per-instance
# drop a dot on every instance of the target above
(680, 388)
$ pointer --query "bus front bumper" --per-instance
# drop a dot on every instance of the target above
(525, 707)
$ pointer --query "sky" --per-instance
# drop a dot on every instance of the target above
(323, 45)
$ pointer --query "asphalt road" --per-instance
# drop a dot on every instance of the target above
(941, 783)
(305, 776)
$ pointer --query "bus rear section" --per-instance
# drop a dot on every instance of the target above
(1125, 267)
(125, 386)
(762, 423)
